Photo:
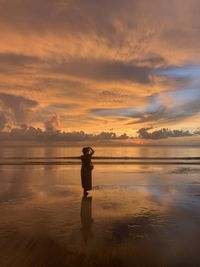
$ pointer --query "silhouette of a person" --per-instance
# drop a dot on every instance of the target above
(86, 218)
(86, 169)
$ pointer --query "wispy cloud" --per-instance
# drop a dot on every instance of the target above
(163, 108)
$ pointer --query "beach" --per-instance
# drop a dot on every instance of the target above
(136, 214)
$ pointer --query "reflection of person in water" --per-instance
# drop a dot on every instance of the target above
(86, 218)
(86, 169)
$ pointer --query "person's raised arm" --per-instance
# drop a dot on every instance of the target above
(91, 151)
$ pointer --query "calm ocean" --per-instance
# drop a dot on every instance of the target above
(58, 154)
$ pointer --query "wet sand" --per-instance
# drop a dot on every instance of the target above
(139, 215)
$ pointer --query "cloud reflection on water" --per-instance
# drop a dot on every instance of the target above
(131, 216)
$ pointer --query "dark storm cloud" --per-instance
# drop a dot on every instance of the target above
(89, 69)
(105, 70)
(144, 133)
(17, 59)
(11, 63)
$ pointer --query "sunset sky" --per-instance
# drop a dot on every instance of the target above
(111, 65)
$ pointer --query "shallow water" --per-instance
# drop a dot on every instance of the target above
(139, 215)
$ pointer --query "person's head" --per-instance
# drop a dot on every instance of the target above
(85, 150)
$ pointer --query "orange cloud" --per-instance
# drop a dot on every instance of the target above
(72, 57)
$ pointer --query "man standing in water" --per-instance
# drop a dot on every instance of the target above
(86, 170)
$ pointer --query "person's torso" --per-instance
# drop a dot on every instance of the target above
(86, 160)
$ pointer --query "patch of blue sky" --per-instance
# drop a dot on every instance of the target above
(185, 95)
(178, 99)
(153, 105)
(186, 71)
